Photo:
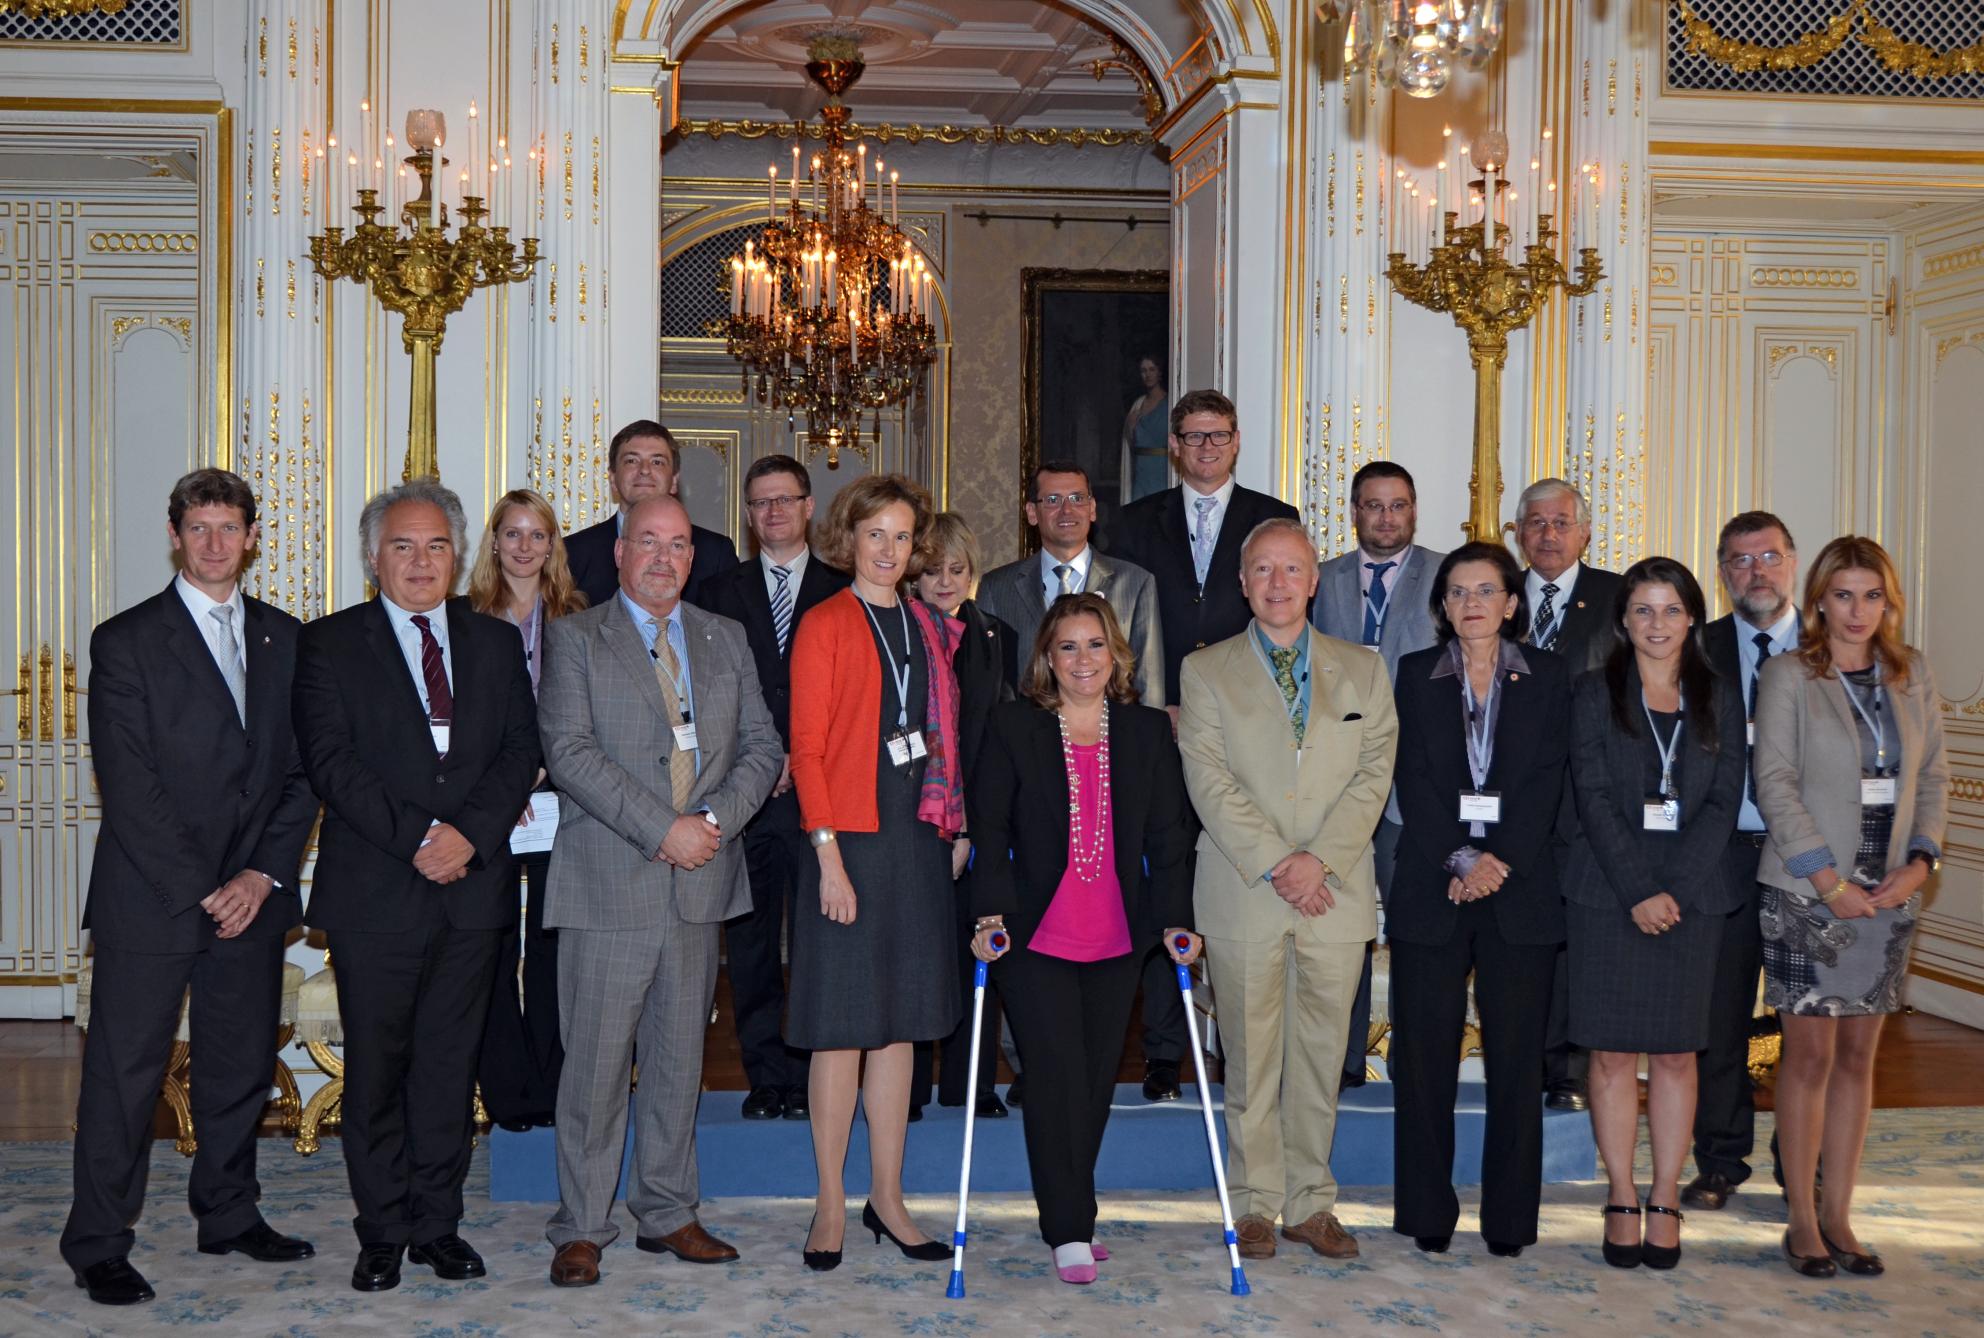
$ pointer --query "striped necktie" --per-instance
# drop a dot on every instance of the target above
(782, 607)
(1544, 631)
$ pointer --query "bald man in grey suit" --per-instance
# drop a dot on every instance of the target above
(661, 745)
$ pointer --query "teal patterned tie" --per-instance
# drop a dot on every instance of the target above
(1284, 677)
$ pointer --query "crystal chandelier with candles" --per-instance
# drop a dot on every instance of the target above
(830, 308)
(1412, 45)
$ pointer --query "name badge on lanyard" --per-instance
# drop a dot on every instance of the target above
(1662, 812)
(1877, 790)
(907, 747)
(1479, 805)
(685, 736)
(1484, 806)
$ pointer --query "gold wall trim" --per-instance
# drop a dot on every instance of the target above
(1812, 153)
(1779, 276)
(119, 243)
(1953, 262)
(732, 186)
(885, 132)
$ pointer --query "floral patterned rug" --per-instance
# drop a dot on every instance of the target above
(1921, 1204)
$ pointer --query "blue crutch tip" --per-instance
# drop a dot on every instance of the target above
(955, 1291)
(1240, 1287)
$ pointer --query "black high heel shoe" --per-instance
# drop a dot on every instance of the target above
(1866, 1265)
(820, 1261)
(1663, 1256)
(1808, 1265)
(928, 1252)
(1623, 1256)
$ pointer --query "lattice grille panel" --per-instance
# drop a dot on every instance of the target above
(1852, 71)
(139, 23)
(695, 285)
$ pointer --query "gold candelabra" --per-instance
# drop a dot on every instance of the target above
(424, 276)
(1489, 295)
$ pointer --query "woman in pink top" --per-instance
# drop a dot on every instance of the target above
(1082, 835)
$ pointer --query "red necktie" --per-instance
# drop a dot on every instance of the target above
(440, 701)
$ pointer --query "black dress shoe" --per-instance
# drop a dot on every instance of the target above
(929, 1251)
(764, 1103)
(1160, 1081)
(1565, 1094)
(1350, 1080)
(264, 1244)
(1662, 1256)
(1709, 1190)
(1866, 1265)
(916, 1114)
(450, 1257)
(515, 1126)
(796, 1105)
(115, 1282)
(1502, 1249)
(1623, 1256)
(1808, 1265)
(1016, 1090)
(377, 1269)
(820, 1261)
(1433, 1244)
(990, 1107)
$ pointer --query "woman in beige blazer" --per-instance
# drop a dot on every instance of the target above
(1852, 782)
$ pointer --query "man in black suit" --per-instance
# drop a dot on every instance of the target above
(1759, 566)
(205, 815)
(769, 596)
(1570, 608)
(645, 462)
(416, 723)
(1189, 538)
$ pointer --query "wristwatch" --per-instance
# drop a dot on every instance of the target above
(821, 836)
(1935, 864)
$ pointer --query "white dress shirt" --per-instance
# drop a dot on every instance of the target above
(1565, 581)
(1390, 579)
(202, 608)
(1050, 580)
(408, 637)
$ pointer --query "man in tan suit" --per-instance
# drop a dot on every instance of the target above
(1288, 737)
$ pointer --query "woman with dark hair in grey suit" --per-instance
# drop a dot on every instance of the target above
(1854, 786)
(1657, 764)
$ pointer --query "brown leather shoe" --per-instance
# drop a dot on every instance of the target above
(1256, 1236)
(691, 1244)
(575, 1265)
(1325, 1235)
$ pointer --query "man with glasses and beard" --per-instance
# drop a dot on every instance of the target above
(1376, 595)
(1758, 563)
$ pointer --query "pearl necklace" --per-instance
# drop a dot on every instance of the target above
(1085, 839)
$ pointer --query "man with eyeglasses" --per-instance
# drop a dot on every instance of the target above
(1376, 596)
(1189, 538)
(769, 597)
(1061, 508)
(1758, 563)
(1570, 612)
(645, 462)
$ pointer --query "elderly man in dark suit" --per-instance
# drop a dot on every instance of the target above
(205, 814)
(1570, 612)
(1188, 538)
(769, 596)
(645, 462)
(416, 723)
(657, 733)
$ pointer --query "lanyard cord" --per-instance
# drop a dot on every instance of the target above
(901, 676)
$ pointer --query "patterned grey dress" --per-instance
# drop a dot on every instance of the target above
(1818, 966)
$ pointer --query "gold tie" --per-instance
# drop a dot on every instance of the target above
(681, 761)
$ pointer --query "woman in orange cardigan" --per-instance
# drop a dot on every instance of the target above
(875, 760)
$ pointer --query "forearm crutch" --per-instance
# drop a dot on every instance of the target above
(956, 1287)
(1240, 1287)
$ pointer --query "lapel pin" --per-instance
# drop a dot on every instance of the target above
(1512, 675)
(265, 641)
(1580, 603)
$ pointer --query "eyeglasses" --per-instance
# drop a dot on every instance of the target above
(1745, 561)
(1056, 500)
(1548, 524)
(1460, 594)
(1194, 440)
(1375, 508)
(783, 502)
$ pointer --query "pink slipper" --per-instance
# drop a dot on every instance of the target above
(1074, 1263)
(1081, 1274)
(1099, 1250)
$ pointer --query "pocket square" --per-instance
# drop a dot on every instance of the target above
(1354, 715)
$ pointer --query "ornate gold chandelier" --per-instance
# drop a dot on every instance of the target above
(830, 308)
(1411, 45)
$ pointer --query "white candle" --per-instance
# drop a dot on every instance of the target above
(366, 130)
(1597, 201)
(736, 286)
(860, 174)
(831, 298)
(795, 171)
(474, 150)
(895, 203)
(434, 187)
(771, 196)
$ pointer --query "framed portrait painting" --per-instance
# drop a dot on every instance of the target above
(1095, 385)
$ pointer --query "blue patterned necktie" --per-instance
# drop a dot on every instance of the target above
(1374, 602)
(782, 607)
(1546, 619)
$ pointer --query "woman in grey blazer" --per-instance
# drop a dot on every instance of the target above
(1657, 762)
(1853, 785)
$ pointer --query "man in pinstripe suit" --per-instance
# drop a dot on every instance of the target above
(657, 734)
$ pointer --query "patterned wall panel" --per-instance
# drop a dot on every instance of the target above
(1832, 48)
(153, 23)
